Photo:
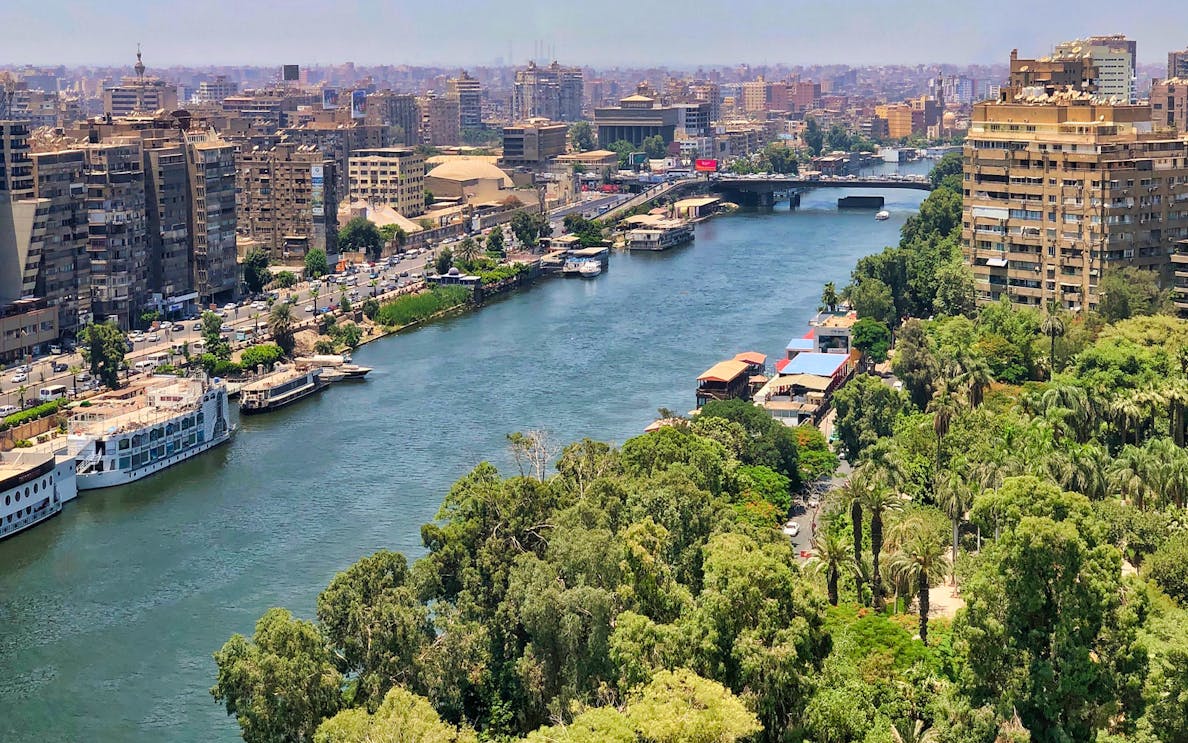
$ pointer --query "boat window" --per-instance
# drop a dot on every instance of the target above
(124, 444)
(34, 487)
(8, 500)
(18, 496)
(138, 440)
(201, 418)
(125, 462)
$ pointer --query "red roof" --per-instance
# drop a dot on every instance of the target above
(781, 364)
(751, 357)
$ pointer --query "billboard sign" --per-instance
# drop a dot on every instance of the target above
(358, 104)
(705, 166)
(329, 98)
(290, 72)
(317, 191)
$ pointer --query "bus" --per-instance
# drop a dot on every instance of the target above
(52, 392)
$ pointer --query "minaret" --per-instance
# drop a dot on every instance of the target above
(139, 66)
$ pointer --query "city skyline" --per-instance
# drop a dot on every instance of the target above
(861, 33)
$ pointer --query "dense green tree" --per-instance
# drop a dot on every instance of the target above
(361, 235)
(315, 263)
(392, 234)
(867, 410)
(950, 164)
(255, 270)
(837, 138)
(528, 228)
(443, 261)
(103, 346)
(280, 683)
(1127, 291)
(1044, 631)
(780, 159)
(832, 555)
(915, 362)
(872, 338)
(769, 442)
(581, 136)
(954, 290)
(495, 241)
(403, 717)
(261, 355)
(829, 298)
(285, 279)
(624, 150)
(872, 298)
(921, 561)
(1168, 568)
(212, 336)
(589, 231)
(812, 136)
(654, 147)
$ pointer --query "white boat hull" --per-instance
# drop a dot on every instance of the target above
(112, 478)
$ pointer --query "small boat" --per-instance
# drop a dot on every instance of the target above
(283, 387)
(882, 215)
(590, 269)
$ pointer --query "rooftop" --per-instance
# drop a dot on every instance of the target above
(820, 364)
(724, 371)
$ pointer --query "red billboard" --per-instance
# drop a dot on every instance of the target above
(706, 166)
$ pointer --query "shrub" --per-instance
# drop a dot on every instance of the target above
(421, 305)
(32, 414)
(1168, 568)
(263, 354)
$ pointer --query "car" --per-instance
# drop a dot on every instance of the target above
(58, 366)
(196, 326)
(404, 274)
(309, 308)
(229, 306)
(791, 528)
(178, 327)
(55, 350)
(6, 410)
(19, 377)
(259, 305)
(814, 501)
(153, 337)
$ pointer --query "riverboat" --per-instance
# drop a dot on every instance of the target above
(33, 486)
(660, 235)
(590, 269)
(131, 433)
(285, 386)
(335, 368)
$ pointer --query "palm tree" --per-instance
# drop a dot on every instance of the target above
(1084, 469)
(1175, 396)
(878, 499)
(468, 250)
(954, 496)
(1127, 413)
(1053, 327)
(831, 554)
(944, 407)
(977, 378)
(1131, 473)
(74, 372)
(884, 461)
(280, 324)
(373, 284)
(829, 298)
(922, 561)
(849, 495)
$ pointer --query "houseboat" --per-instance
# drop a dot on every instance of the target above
(131, 433)
(285, 386)
(33, 486)
(660, 235)
(335, 367)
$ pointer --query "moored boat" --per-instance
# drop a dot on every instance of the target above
(590, 269)
(285, 386)
(882, 215)
(136, 431)
(33, 486)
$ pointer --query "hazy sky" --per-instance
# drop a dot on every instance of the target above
(601, 33)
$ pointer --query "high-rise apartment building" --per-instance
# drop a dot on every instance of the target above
(1113, 58)
(391, 175)
(398, 110)
(212, 217)
(64, 276)
(901, 122)
(1169, 104)
(117, 222)
(439, 121)
(1177, 64)
(1062, 191)
(139, 94)
(1065, 73)
(552, 92)
(167, 218)
(468, 92)
(287, 201)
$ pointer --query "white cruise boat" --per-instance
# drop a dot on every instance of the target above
(590, 269)
(139, 430)
(33, 486)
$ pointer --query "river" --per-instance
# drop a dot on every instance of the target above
(109, 613)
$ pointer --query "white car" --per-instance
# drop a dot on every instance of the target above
(814, 500)
(309, 308)
(20, 377)
(6, 410)
(791, 528)
(153, 338)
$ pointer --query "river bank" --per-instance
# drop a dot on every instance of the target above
(113, 608)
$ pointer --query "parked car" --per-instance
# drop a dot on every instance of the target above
(19, 377)
(7, 410)
(791, 528)
(196, 326)
(309, 308)
(153, 337)
(58, 366)
(178, 327)
(55, 350)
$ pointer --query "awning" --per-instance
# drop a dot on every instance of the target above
(996, 262)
